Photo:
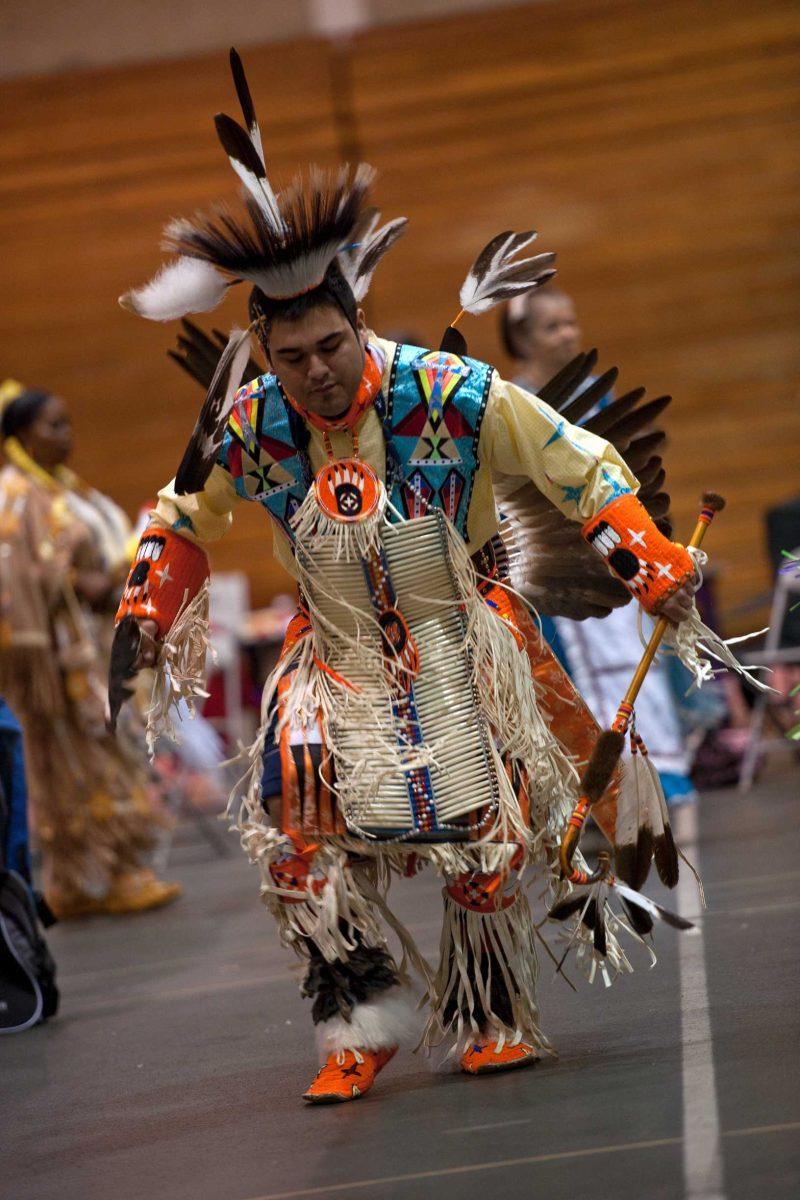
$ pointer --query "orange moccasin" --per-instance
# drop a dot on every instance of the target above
(482, 1057)
(347, 1074)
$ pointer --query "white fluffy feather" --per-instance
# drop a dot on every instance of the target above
(391, 1019)
(187, 285)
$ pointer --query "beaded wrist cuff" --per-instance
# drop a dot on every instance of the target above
(637, 553)
(167, 573)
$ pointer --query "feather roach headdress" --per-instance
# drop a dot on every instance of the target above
(283, 243)
(314, 236)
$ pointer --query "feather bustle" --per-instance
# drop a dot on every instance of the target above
(590, 395)
(564, 383)
(198, 354)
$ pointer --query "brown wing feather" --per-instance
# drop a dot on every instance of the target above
(199, 355)
(564, 383)
(552, 565)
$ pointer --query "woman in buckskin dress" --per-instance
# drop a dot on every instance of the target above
(63, 547)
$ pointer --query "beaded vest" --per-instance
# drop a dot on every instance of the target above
(431, 415)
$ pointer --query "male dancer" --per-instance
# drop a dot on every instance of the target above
(414, 695)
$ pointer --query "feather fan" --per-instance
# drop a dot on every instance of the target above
(496, 275)
(209, 430)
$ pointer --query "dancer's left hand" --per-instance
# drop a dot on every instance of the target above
(678, 606)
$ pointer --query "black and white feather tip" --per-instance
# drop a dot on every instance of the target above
(246, 103)
(497, 275)
(124, 652)
(358, 261)
(245, 150)
(646, 906)
(206, 440)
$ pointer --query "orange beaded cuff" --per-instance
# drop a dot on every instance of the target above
(167, 573)
(637, 553)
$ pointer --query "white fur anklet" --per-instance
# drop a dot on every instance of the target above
(390, 1019)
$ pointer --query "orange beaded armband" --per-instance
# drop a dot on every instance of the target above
(166, 574)
(637, 553)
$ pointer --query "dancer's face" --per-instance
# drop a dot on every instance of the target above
(319, 359)
(48, 439)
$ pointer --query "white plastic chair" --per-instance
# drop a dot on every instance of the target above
(229, 605)
(785, 594)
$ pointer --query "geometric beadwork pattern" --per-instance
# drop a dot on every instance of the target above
(434, 410)
(259, 453)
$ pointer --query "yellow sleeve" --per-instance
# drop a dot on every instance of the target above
(202, 517)
(577, 471)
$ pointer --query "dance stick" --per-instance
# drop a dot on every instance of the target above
(606, 755)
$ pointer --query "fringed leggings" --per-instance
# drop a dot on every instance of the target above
(485, 982)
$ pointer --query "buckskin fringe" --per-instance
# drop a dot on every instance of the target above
(696, 645)
(353, 540)
(180, 671)
(328, 911)
(473, 944)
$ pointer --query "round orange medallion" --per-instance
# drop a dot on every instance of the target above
(347, 490)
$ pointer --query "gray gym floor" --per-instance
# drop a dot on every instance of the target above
(175, 1068)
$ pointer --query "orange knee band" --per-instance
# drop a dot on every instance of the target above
(483, 893)
(167, 572)
(294, 874)
(637, 553)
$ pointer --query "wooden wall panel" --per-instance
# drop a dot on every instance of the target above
(654, 147)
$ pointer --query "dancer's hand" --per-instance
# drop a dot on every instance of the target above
(678, 606)
(149, 648)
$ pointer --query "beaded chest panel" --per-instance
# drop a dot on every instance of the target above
(410, 747)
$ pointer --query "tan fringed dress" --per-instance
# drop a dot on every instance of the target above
(91, 797)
